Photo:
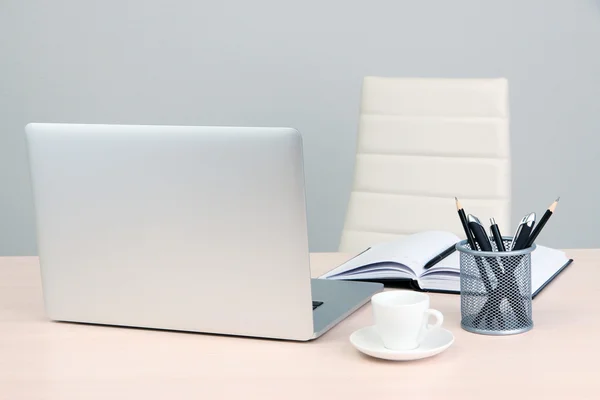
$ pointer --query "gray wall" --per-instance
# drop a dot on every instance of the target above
(265, 62)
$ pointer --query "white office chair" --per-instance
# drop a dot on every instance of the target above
(421, 142)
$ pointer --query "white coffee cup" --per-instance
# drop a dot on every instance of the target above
(402, 318)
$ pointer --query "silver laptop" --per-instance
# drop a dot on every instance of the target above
(184, 228)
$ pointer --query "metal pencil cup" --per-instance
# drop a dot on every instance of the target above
(495, 289)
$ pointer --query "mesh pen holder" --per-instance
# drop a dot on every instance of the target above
(495, 289)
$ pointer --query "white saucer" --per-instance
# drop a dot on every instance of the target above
(367, 341)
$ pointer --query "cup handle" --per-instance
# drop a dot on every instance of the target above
(439, 319)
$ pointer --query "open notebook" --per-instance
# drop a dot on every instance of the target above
(403, 261)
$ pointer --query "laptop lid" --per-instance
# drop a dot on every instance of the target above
(173, 227)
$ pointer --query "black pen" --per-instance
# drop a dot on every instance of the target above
(519, 243)
(497, 236)
(479, 233)
(523, 231)
(440, 257)
(482, 239)
(491, 308)
(473, 246)
(463, 221)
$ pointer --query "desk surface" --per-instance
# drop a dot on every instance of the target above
(40, 359)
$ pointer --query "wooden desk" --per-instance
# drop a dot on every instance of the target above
(558, 359)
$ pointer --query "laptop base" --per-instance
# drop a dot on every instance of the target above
(340, 299)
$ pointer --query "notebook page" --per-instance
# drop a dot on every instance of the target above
(381, 270)
(442, 283)
(450, 265)
(412, 252)
(545, 262)
(395, 251)
(427, 245)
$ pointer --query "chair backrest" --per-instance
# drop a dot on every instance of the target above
(421, 142)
